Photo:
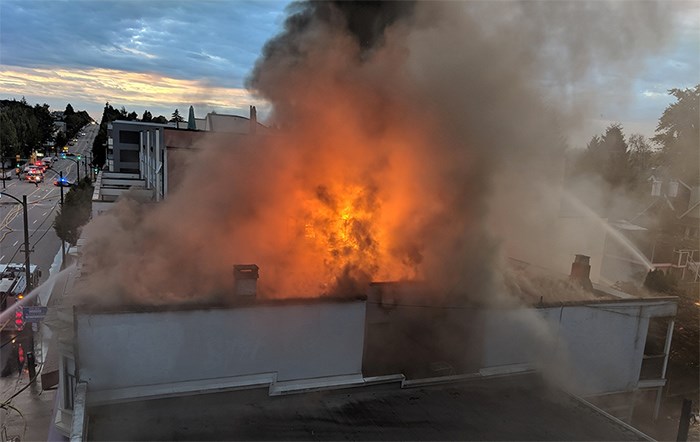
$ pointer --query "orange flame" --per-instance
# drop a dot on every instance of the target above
(342, 223)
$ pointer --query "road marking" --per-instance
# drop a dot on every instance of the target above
(35, 221)
(3, 257)
(44, 214)
(15, 243)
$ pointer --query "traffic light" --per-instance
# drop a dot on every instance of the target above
(19, 319)
(79, 157)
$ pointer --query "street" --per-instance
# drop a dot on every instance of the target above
(43, 203)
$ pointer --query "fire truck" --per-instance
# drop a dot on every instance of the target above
(13, 285)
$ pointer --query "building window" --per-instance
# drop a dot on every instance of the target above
(655, 348)
(129, 156)
(129, 137)
(673, 189)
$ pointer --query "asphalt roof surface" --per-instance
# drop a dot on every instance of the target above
(507, 408)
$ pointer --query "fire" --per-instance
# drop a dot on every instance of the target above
(342, 225)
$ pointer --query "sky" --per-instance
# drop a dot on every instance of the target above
(159, 56)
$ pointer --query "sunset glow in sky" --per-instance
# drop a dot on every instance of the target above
(159, 56)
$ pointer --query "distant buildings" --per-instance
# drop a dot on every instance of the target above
(152, 153)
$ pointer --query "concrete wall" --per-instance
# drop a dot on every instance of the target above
(595, 348)
(591, 346)
(295, 341)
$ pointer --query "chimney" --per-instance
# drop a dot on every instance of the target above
(245, 277)
(253, 119)
(581, 272)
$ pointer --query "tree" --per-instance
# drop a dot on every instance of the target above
(75, 122)
(640, 153)
(44, 122)
(617, 172)
(99, 145)
(678, 134)
(61, 140)
(75, 213)
(160, 119)
(607, 156)
(176, 117)
(147, 117)
(24, 128)
(69, 110)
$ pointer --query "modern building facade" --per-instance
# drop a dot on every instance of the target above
(138, 148)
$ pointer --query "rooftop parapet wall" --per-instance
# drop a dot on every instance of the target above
(157, 348)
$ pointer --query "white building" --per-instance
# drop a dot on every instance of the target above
(151, 152)
(609, 347)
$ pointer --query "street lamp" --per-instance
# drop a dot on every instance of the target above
(77, 164)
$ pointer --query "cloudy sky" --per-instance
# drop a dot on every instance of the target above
(165, 55)
(138, 54)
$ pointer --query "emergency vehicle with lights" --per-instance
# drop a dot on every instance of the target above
(13, 285)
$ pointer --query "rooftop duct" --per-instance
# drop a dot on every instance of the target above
(245, 277)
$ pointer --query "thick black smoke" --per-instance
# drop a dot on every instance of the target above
(435, 128)
(366, 21)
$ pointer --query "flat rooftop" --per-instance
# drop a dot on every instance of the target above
(539, 286)
(518, 407)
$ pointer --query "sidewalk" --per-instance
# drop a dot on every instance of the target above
(35, 406)
(29, 414)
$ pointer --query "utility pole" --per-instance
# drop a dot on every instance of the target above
(63, 243)
(28, 290)
(27, 272)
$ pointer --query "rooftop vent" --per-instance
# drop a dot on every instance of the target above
(581, 272)
(246, 279)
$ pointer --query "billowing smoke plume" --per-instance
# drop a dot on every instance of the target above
(410, 141)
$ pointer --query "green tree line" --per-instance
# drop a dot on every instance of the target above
(624, 163)
(24, 128)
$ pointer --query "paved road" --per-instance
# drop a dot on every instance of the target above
(43, 203)
(34, 404)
